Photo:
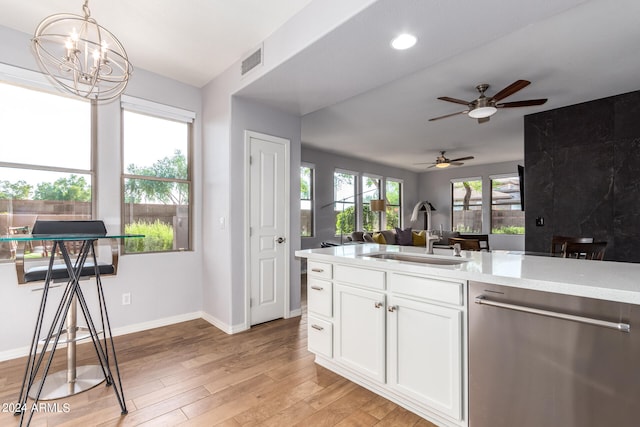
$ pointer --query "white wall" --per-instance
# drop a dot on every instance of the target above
(164, 287)
(223, 176)
(325, 164)
(435, 186)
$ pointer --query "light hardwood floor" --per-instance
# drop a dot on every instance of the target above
(196, 375)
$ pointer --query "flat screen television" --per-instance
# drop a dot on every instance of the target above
(521, 176)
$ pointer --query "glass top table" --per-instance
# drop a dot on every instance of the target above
(64, 237)
(74, 379)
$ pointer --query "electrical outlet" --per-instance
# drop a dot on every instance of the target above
(126, 298)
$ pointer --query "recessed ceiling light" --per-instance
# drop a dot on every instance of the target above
(403, 41)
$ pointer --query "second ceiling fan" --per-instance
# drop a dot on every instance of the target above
(484, 107)
(443, 162)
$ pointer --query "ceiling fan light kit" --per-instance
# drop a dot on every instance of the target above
(442, 162)
(482, 112)
(484, 107)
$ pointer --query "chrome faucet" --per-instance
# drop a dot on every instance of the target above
(431, 239)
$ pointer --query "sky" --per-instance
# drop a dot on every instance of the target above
(51, 130)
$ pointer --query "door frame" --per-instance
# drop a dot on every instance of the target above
(248, 134)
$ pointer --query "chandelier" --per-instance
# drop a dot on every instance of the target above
(81, 57)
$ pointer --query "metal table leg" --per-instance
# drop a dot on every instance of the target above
(73, 380)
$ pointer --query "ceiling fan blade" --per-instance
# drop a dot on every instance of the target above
(511, 89)
(483, 120)
(462, 158)
(432, 166)
(527, 103)
(424, 163)
(449, 115)
(454, 100)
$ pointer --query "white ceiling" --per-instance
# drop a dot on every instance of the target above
(190, 41)
(359, 97)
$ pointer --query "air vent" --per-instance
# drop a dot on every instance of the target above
(251, 61)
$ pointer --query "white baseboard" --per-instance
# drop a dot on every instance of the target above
(158, 323)
(228, 329)
(129, 329)
(295, 313)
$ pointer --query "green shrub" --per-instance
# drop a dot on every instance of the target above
(158, 237)
(511, 229)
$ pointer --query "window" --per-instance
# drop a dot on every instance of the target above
(393, 196)
(156, 177)
(306, 201)
(370, 191)
(466, 209)
(344, 196)
(46, 170)
(507, 216)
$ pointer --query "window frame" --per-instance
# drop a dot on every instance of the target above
(452, 182)
(164, 112)
(362, 198)
(312, 192)
(400, 183)
(35, 81)
(356, 179)
(491, 204)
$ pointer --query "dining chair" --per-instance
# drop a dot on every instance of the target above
(466, 244)
(483, 239)
(591, 251)
(557, 242)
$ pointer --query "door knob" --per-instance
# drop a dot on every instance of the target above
(281, 240)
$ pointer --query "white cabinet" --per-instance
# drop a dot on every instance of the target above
(320, 308)
(320, 336)
(398, 333)
(359, 340)
(320, 297)
(425, 354)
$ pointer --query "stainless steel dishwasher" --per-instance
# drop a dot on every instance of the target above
(545, 359)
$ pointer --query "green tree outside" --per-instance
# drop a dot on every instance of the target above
(18, 190)
(139, 189)
(73, 188)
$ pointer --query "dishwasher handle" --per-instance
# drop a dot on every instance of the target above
(622, 327)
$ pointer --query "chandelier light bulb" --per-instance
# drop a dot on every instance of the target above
(88, 62)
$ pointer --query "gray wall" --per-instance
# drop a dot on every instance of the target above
(325, 163)
(581, 174)
(249, 115)
(164, 287)
(435, 186)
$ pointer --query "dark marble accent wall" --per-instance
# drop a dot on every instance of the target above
(582, 175)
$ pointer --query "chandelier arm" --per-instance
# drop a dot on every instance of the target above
(81, 56)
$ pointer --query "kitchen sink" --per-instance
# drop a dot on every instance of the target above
(417, 259)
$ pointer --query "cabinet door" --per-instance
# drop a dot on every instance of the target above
(319, 297)
(359, 330)
(425, 354)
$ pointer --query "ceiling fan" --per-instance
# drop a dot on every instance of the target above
(443, 162)
(484, 107)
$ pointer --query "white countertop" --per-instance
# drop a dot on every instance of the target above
(607, 280)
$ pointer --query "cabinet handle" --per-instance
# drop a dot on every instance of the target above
(319, 328)
(317, 270)
(379, 304)
(316, 288)
(392, 308)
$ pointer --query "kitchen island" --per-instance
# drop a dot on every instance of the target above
(396, 320)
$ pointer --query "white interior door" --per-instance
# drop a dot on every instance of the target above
(269, 225)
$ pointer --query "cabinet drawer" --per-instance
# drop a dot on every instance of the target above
(449, 292)
(359, 276)
(319, 269)
(320, 336)
(320, 297)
